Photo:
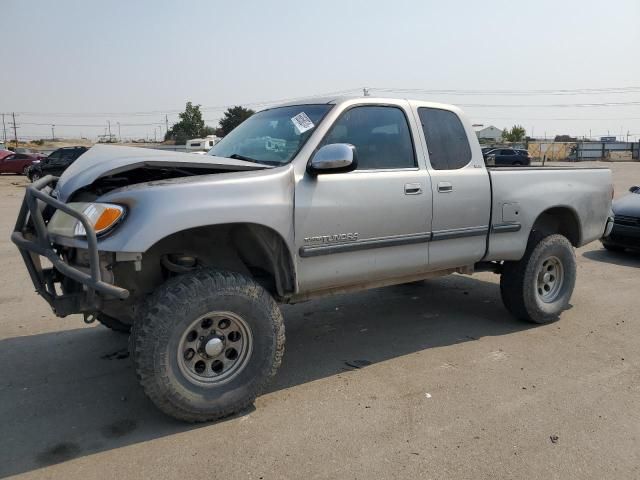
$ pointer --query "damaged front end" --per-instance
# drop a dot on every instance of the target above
(106, 233)
(69, 285)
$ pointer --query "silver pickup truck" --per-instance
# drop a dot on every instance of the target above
(193, 253)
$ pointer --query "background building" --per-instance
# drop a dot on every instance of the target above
(491, 133)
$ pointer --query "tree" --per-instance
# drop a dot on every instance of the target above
(191, 125)
(207, 130)
(233, 117)
(516, 134)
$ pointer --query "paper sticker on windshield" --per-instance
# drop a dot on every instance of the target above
(302, 123)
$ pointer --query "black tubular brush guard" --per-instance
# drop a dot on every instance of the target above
(44, 278)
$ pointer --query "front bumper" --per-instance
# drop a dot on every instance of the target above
(625, 232)
(32, 239)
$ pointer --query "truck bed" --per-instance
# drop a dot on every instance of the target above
(521, 194)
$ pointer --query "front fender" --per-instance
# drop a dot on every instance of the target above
(159, 209)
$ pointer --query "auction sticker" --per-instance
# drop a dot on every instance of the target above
(302, 122)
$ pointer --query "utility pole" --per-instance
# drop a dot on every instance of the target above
(365, 92)
(166, 123)
(154, 135)
(53, 132)
(4, 129)
(15, 129)
(119, 136)
(109, 125)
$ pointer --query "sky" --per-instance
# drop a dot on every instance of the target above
(556, 67)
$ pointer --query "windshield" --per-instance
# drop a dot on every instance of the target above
(272, 136)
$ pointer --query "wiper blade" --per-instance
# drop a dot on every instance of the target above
(237, 156)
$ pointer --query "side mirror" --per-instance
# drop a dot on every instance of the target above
(333, 158)
(635, 189)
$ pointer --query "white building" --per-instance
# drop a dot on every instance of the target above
(490, 133)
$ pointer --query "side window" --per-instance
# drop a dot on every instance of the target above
(447, 141)
(380, 134)
(507, 152)
(55, 155)
(70, 154)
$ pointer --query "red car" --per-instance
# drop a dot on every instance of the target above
(15, 162)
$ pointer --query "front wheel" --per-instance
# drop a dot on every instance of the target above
(538, 287)
(206, 344)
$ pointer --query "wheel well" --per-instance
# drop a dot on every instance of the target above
(562, 220)
(250, 249)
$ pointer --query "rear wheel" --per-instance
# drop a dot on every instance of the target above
(539, 286)
(206, 344)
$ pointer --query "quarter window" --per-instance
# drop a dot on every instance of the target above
(380, 134)
(447, 141)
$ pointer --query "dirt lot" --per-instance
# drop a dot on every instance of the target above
(430, 380)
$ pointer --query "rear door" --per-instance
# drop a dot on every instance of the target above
(461, 190)
(506, 156)
(371, 223)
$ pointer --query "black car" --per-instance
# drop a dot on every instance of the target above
(626, 223)
(507, 156)
(56, 163)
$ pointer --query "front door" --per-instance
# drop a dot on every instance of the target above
(372, 223)
(461, 191)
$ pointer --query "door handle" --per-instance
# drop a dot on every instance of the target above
(445, 187)
(412, 188)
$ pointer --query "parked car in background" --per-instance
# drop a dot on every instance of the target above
(28, 151)
(507, 157)
(487, 150)
(18, 163)
(56, 163)
(625, 233)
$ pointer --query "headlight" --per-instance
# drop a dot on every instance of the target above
(103, 217)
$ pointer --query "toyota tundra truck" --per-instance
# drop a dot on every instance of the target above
(193, 254)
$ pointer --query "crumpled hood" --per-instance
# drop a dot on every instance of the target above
(103, 160)
(629, 205)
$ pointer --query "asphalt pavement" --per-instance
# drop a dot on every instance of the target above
(426, 380)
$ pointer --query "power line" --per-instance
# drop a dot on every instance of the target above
(543, 119)
(202, 108)
(553, 105)
(578, 91)
(97, 125)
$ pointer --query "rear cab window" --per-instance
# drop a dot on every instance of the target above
(447, 141)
